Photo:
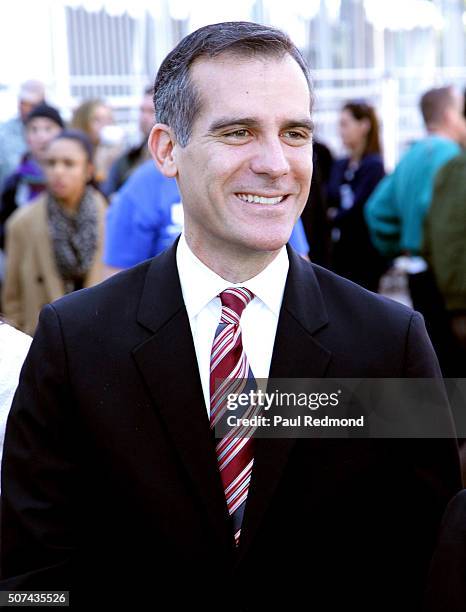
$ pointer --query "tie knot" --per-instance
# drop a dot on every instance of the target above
(235, 299)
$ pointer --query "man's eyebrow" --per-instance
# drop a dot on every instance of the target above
(300, 123)
(226, 122)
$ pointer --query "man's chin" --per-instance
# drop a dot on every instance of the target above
(266, 244)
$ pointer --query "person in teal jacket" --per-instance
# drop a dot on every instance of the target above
(396, 210)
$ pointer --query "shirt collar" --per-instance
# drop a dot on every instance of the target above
(200, 284)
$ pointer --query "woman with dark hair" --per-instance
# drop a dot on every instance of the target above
(54, 246)
(352, 180)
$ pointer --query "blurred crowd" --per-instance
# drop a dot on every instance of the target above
(76, 207)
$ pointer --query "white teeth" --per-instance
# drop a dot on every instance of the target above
(248, 197)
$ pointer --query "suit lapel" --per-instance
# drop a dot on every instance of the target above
(296, 354)
(168, 364)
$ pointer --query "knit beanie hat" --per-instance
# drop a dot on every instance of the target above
(49, 112)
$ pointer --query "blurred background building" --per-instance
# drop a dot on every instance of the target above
(383, 53)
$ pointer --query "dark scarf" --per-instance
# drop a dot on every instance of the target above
(74, 238)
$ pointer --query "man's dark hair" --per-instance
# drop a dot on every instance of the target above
(434, 102)
(176, 100)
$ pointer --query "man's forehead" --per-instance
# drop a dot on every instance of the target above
(214, 79)
(203, 67)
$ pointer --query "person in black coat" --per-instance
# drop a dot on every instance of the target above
(352, 180)
(314, 216)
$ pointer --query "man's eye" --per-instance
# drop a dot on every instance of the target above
(297, 138)
(238, 134)
(294, 135)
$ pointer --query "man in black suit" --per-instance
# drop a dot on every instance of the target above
(111, 481)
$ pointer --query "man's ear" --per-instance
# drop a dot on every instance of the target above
(161, 143)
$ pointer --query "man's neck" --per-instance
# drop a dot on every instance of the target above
(443, 132)
(237, 268)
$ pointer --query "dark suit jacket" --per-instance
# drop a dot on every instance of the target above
(110, 483)
(447, 577)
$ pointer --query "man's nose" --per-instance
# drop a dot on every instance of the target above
(270, 159)
(56, 170)
(44, 139)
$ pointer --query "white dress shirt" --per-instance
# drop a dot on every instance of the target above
(201, 286)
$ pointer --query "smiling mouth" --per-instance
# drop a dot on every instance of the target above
(258, 199)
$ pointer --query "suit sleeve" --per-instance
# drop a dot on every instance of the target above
(429, 466)
(39, 469)
(420, 360)
(435, 460)
(447, 585)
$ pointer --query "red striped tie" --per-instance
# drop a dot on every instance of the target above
(230, 373)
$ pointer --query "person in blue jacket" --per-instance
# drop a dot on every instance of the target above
(146, 216)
